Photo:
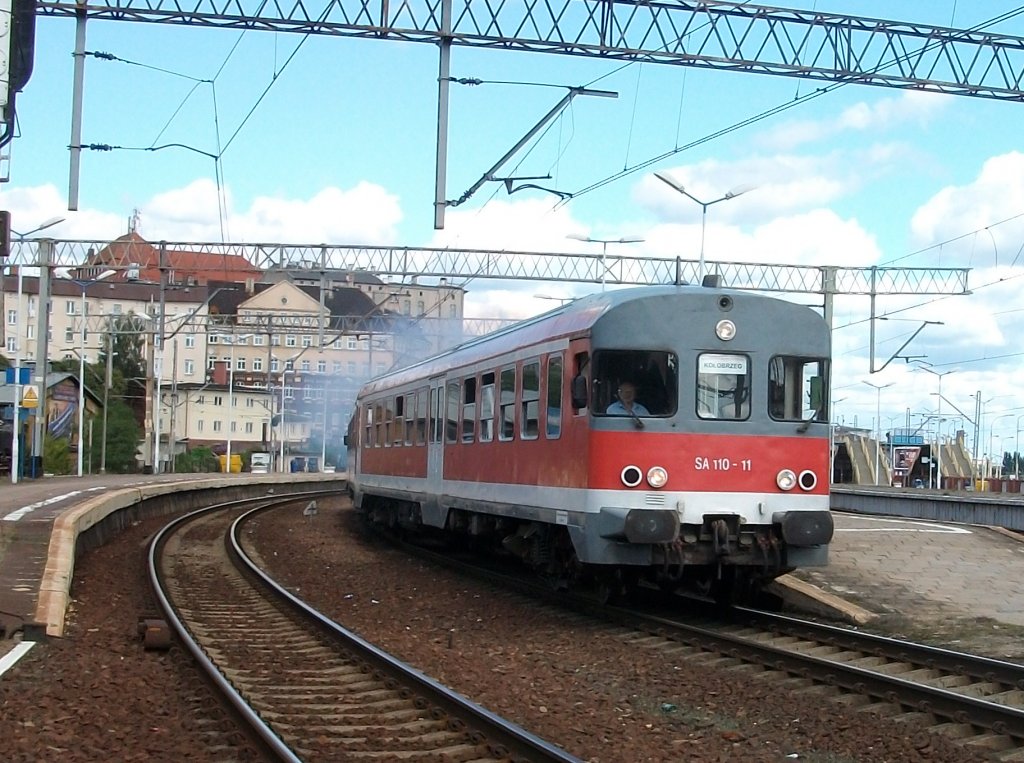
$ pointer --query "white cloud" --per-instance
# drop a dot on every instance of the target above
(862, 117)
(978, 209)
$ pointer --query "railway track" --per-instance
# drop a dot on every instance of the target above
(307, 688)
(976, 701)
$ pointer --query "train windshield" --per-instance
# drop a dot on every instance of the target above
(635, 383)
(723, 386)
(797, 388)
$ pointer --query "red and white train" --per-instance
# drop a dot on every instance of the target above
(717, 482)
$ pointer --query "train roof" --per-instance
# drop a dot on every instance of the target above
(568, 320)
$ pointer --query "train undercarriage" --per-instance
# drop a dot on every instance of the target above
(715, 560)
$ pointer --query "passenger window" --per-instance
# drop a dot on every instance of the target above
(723, 386)
(421, 417)
(507, 405)
(410, 419)
(368, 426)
(553, 426)
(468, 408)
(531, 401)
(486, 407)
(451, 423)
(398, 423)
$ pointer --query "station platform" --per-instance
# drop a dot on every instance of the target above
(40, 521)
(878, 565)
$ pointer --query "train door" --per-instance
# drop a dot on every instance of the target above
(431, 509)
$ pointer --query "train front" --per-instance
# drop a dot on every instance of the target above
(709, 443)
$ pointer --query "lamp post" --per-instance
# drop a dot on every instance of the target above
(604, 248)
(231, 395)
(1016, 450)
(939, 438)
(284, 376)
(991, 452)
(16, 438)
(878, 421)
(738, 191)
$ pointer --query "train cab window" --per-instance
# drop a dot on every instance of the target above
(380, 424)
(486, 407)
(507, 405)
(723, 386)
(468, 408)
(796, 389)
(654, 375)
(421, 417)
(436, 414)
(531, 401)
(553, 425)
(451, 416)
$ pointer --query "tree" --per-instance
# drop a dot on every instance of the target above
(123, 438)
(56, 454)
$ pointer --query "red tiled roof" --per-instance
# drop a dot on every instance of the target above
(131, 250)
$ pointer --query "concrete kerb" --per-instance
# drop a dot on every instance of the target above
(55, 587)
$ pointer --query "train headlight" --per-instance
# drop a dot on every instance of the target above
(786, 479)
(725, 330)
(631, 476)
(808, 480)
(657, 476)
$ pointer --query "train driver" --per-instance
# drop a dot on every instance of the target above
(627, 405)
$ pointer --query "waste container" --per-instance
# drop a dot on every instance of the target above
(236, 463)
(298, 464)
(312, 464)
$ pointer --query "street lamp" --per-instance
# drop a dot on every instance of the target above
(878, 420)
(1016, 450)
(604, 248)
(939, 415)
(231, 393)
(738, 191)
(991, 452)
(16, 438)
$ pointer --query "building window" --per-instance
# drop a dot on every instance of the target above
(190, 341)
(353, 343)
(214, 339)
(12, 346)
(257, 364)
(321, 366)
(258, 340)
(216, 425)
(420, 307)
(248, 427)
(336, 366)
(69, 335)
(117, 309)
(234, 428)
(218, 400)
(199, 425)
(69, 307)
(307, 341)
(275, 341)
(211, 362)
(239, 364)
(274, 365)
(305, 366)
(351, 368)
(190, 367)
(289, 341)
(250, 403)
(12, 319)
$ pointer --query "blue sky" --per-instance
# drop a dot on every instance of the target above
(341, 150)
